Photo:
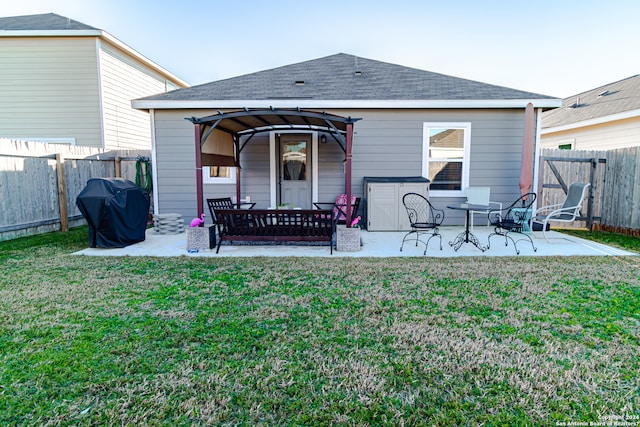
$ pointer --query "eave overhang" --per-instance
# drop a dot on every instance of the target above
(546, 103)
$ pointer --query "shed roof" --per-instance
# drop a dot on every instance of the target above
(607, 100)
(345, 77)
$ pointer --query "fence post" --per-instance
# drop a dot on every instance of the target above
(118, 165)
(592, 181)
(62, 193)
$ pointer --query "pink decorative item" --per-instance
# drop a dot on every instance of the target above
(341, 206)
(355, 221)
(197, 222)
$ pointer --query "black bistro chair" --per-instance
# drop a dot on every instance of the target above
(424, 219)
(512, 221)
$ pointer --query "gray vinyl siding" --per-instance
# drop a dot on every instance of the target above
(254, 174)
(330, 171)
(386, 143)
(175, 163)
(49, 89)
(389, 143)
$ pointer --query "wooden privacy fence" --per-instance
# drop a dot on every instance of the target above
(614, 175)
(39, 183)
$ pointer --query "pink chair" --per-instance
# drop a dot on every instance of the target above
(340, 207)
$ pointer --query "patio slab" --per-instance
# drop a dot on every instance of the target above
(374, 244)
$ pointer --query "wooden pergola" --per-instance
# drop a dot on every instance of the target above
(220, 138)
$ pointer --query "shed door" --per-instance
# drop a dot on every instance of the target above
(382, 204)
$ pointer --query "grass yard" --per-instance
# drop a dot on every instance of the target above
(340, 341)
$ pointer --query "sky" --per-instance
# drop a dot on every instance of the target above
(558, 48)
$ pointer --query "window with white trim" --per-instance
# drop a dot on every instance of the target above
(218, 175)
(445, 158)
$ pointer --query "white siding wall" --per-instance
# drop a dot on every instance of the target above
(124, 79)
(386, 143)
(609, 136)
(49, 89)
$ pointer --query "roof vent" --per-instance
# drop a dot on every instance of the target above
(356, 68)
(575, 104)
(299, 82)
(604, 93)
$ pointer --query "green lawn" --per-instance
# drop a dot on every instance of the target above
(630, 243)
(326, 341)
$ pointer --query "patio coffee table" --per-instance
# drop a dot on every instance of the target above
(466, 236)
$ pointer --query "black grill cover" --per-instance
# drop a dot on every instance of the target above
(116, 210)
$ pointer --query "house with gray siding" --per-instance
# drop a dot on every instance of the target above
(62, 81)
(406, 123)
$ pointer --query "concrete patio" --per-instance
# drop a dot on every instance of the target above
(374, 244)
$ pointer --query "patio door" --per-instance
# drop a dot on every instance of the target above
(294, 170)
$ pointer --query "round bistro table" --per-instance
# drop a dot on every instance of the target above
(466, 236)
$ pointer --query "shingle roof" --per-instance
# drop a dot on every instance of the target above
(613, 98)
(334, 78)
(44, 22)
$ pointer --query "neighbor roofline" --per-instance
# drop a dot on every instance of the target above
(51, 33)
(103, 35)
(592, 122)
(143, 104)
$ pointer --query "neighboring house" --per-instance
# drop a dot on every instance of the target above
(604, 118)
(63, 81)
(455, 132)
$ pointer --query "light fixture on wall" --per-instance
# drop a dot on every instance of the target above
(323, 139)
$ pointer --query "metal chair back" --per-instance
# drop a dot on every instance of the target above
(421, 212)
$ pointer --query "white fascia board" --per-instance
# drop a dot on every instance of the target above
(595, 121)
(103, 35)
(345, 104)
(149, 63)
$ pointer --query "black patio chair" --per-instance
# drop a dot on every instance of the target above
(424, 219)
(512, 221)
(226, 203)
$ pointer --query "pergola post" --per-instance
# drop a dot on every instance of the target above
(199, 194)
(238, 186)
(347, 172)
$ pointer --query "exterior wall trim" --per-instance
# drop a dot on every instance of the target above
(154, 162)
(103, 140)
